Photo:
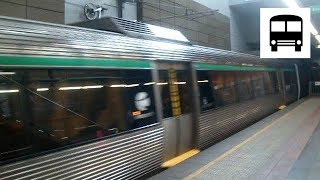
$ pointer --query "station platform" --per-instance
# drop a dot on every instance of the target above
(284, 145)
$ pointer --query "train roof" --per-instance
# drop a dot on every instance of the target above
(32, 38)
(286, 17)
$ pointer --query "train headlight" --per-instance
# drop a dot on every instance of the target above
(298, 42)
(273, 42)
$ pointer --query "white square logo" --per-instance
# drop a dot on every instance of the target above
(285, 33)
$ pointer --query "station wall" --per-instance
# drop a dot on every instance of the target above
(40, 10)
(208, 30)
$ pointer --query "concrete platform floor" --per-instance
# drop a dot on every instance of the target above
(285, 145)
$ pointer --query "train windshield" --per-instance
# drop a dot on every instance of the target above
(278, 26)
(294, 26)
(286, 26)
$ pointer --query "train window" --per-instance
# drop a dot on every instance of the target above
(220, 88)
(175, 99)
(217, 88)
(184, 89)
(47, 109)
(290, 80)
(244, 87)
(205, 90)
(258, 84)
(271, 83)
(290, 77)
(163, 85)
(14, 134)
(224, 84)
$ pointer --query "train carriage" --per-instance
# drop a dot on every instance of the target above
(81, 103)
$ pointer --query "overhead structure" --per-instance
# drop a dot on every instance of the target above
(135, 29)
(92, 11)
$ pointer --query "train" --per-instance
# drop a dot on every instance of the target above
(80, 103)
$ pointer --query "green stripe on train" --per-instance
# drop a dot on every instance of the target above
(287, 69)
(71, 62)
(219, 67)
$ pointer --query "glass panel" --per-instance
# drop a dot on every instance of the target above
(205, 90)
(163, 85)
(15, 128)
(278, 26)
(224, 87)
(220, 88)
(290, 80)
(170, 98)
(245, 90)
(293, 26)
(258, 84)
(47, 109)
(184, 87)
(271, 83)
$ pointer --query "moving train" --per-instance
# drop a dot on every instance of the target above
(79, 103)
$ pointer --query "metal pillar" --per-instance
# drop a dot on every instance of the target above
(196, 110)
(157, 95)
(298, 81)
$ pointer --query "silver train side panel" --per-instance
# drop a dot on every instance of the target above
(178, 137)
(125, 157)
(215, 125)
(22, 37)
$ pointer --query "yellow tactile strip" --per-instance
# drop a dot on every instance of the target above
(179, 159)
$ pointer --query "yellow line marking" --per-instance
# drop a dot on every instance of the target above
(282, 107)
(222, 156)
(179, 159)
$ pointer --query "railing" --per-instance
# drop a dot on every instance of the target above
(314, 88)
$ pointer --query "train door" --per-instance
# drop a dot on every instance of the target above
(175, 89)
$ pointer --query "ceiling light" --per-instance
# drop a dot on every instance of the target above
(149, 83)
(118, 85)
(80, 87)
(9, 91)
(203, 81)
(92, 87)
(7, 73)
(132, 85)
(160, 84)
(179, 83)
(69, 88)
(43, 89)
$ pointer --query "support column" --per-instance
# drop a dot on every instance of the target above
(298, 81)
(156, 90)
(196, 110)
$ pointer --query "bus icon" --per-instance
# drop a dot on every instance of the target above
(286, 30)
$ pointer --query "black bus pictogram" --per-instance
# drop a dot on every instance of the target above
(286, 30)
